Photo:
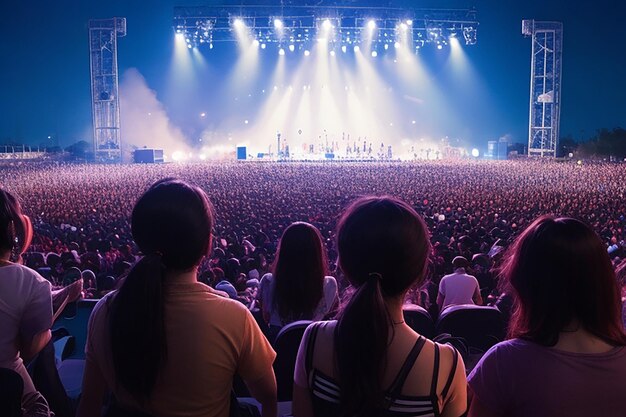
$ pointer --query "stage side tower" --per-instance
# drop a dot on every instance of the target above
(105, 105)
(545, 86)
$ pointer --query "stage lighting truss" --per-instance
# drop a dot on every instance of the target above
(298, 27)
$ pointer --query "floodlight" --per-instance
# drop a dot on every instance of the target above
(278, 24)
(371, 24)
(292, 47)
(327, 25)
(281, 51)
(374, 54)
(307, 52)
(356, 48)
(238, 23)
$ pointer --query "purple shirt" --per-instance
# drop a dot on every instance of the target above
(521, 378)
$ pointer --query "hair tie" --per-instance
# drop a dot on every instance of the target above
(376, 275)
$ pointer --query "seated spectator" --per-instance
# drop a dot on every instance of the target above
(459, 287)
(165, 344)
(566, 355)
(370, 362)
(298, 287)
(25, 302)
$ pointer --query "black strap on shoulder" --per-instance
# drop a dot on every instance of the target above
(455, 361)
(433, 387)
(398, 383)
(310, 348)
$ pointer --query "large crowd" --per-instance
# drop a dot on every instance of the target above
(203, 269)
(81, 212)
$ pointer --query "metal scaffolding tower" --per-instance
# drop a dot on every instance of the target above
(105, 104)
(545, 86)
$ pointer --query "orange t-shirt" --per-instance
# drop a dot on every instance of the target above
(209, 340)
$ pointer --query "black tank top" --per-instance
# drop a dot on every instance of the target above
(325, 395)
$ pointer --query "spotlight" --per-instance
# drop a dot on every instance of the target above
(409, 22)
(356, 48)
(374, 54)
(332, 53)
(189, 46)
(292, 48)
(396, 45)
(238, 23)
(386, 46)
(255, 43)
(440, 47)
(475, 153)
(327, 25)
(263, 46)
(403, 26)
(179, 35)
(278, 24)
(307, 52)
(281, 51)
(371, 25)
(344, 49)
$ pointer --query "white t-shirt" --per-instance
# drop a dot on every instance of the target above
(25, 310)
(266, 295)
(458, 288)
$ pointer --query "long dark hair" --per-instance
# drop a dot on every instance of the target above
(171, 224)
(383, 249)
(15, 228)
(559, 271)
(299, 271)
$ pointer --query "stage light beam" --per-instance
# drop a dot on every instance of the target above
(371, 25)
(238, 24)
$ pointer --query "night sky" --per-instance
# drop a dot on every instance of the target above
(44, 77)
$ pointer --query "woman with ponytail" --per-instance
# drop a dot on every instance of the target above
(165, 344)
(369, 363)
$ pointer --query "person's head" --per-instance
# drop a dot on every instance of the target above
(560, 274)
(383, 249)
(171, 224)
(299, 270)
(16, 231)
(460, 262)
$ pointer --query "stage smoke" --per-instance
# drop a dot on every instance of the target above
(145, 122)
